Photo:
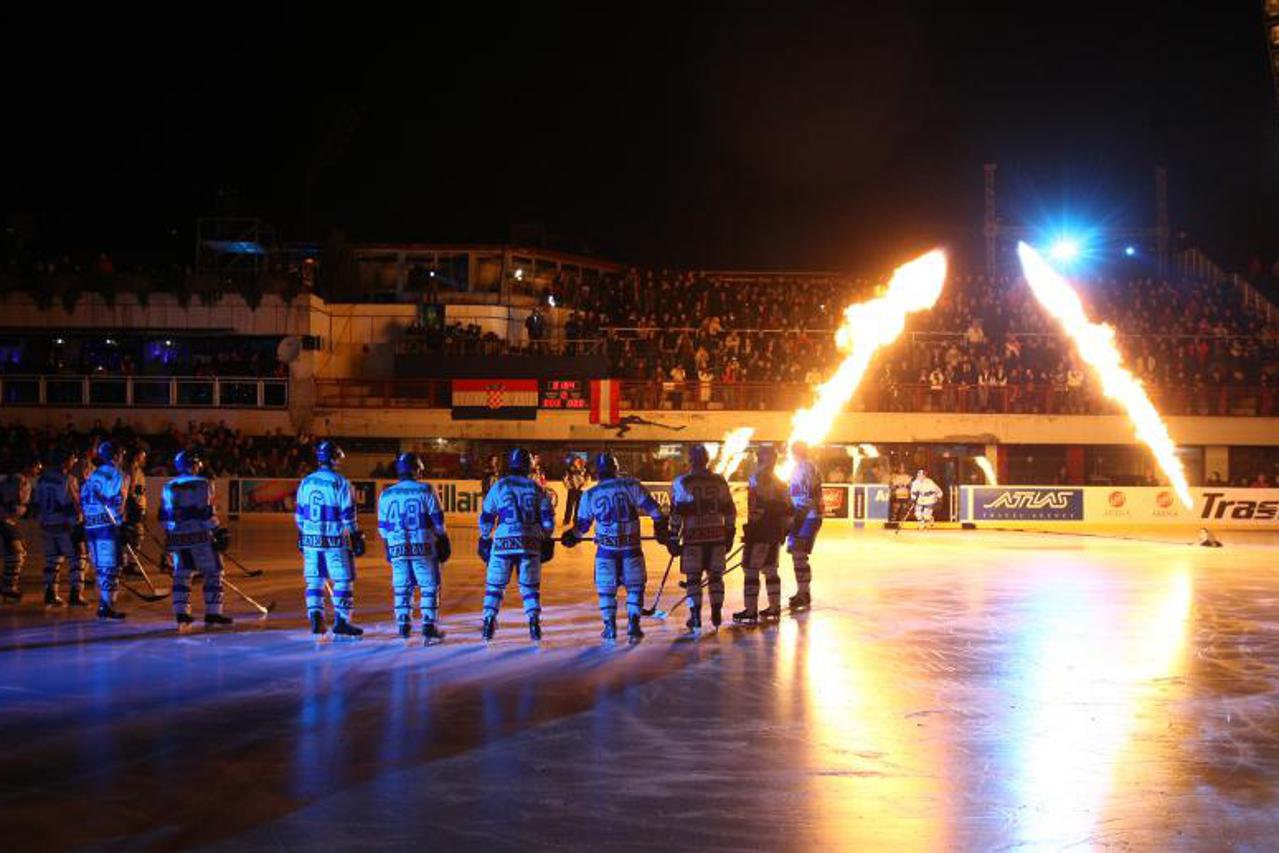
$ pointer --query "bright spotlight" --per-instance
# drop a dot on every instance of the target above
(1130, 251)
(1065, 250)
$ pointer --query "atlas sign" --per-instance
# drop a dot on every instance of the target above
(1026, 503)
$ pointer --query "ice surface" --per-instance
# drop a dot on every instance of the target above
(949, 689)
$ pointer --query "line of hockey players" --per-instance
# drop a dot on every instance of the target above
(516, 536)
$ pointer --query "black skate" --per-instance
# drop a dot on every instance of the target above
(746, 617)
(212, 620)
(609, 633)
(77, 600)
(535, 629)
(694, 623)
(633, 632)
(489, 628)
(431, 634)
(11, 595)
(343, 628)
(183, 619)
(717, 615)
(770, 614)
(800, 601)
(406, 628)
(317, 622)
(106, 611)
(51, 598)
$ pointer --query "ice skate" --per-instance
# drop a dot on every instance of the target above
(633, 631)
(183, 619)
(489, 628)
(770, 614)
(106, 611)
(406, 628)
(746, 617)
(77, 600)
(11, 595)
(535, 629)
(431, 634)
(694, 624)
(609, 634)
(51, 598)
(343, 628)
(717, 615)
(317, 622)
(212, 620)
(800, 601)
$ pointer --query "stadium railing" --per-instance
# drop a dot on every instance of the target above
(1041, 398)
(103, 390)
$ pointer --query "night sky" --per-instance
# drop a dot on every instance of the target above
(685, 135)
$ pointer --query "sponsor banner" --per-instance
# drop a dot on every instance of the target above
(1213, 507)
(1023, 503)
(870, 502)
(495, 399)
(267, 495)
(366, 492)
(835, 503)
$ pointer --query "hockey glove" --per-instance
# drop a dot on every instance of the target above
(78, 538)
(443, 548)
(221, 539)
(797, 523)
(301, 550)
(570, 539)
(662, 530)
(484, 548)
(730, 534)
(548, 549)
(131, 535)
(673, 545)
(357, 543)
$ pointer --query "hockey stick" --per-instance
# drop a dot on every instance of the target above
(145, 577)
(252, 573)
(906, 518)
(263, 609)
(662, 614)
(649, 611)
(147, 597)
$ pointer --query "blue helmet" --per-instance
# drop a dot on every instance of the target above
(698, 456)
(188, 462)
(106, 453)
(605, 465)
(328, 453)
(519, 462)
(409, 465)
(766, 456)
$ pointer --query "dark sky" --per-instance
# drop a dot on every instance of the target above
(689, 135)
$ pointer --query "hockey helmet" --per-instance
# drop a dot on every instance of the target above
(799, 450)
(409, 466)
(766, 456)
(605, 465)
(106, 453)
(698, 457)
(328, 453)
(188, 462)
(519, 462)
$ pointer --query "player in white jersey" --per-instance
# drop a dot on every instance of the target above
(925, 494)
(193, 538)
(102, 502)
(703, 526)
(411, 523)
(329, 539)
(806, 501)
(614, 505)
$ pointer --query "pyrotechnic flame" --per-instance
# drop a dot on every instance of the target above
(1096, 345)
(867, 326)
(732, 451)
(986, 468)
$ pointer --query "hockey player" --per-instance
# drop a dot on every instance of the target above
(806, 500)
(193, 538)
(15, 497)
(515, 522)
(768, 520)
(703, 526)
(102, 502)
(57, 503)
(614, 505)
(411, 522)
(925, 494)
(329, 540)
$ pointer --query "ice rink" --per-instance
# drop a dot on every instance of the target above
(948, 690)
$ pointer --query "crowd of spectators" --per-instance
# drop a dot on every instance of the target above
(99, 354)
(226, 451)
(702, 339)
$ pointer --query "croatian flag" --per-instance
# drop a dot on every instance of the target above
(495, 399)
(606, 401)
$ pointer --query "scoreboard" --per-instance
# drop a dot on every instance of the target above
(564, 394)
